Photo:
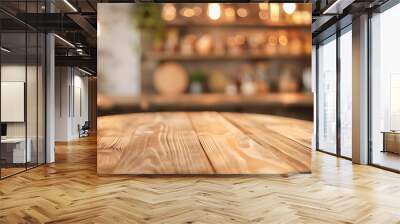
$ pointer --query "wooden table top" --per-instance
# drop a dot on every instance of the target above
(202, 143)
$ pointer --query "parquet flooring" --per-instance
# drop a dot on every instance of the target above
(202, 143)
(70, 191)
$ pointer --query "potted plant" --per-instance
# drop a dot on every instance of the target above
(147, 19)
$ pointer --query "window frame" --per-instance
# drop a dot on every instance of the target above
(334, 36)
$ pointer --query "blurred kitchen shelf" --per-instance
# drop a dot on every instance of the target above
(296, 103)
(179, 57)
(255, 24)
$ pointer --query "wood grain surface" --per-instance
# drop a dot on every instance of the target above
(202, 143)
(282, 143)
(71, 191)
(160, 143)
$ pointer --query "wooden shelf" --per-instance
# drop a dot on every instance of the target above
(297, 105)
(208, 99)
(179, 57)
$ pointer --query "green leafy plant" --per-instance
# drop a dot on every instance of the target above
(147, 18)
(197, 76)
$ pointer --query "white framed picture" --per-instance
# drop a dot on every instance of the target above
(12, 101)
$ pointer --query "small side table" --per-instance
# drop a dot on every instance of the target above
(391, 141)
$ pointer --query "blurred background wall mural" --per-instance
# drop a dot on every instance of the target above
(252, 57)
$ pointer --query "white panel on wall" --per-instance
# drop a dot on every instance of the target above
(12, 101)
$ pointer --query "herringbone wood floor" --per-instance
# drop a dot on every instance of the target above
(70, 191)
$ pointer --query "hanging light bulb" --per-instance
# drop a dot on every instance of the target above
(274, 12)
(263, 6)
(230, 14)
(214, 11)
(289, 8)
(242, 12)
(187, 12)
(197, 10)
(168, 12)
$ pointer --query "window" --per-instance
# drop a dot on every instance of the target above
(385, 89)
(327, 96)
(22, 78)
(346, 93)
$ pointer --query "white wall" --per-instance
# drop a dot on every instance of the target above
(78, 118)
(61, 103)
(67, 116)
(118, 51)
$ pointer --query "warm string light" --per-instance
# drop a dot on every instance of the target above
(274, 12)
(187, 12)
(263, 6)
(214, 11)
(242, 12)
(267, 11)
(289, 8)
(168, 12)
(230, 14)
